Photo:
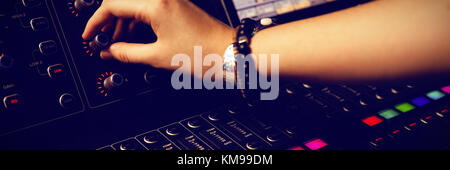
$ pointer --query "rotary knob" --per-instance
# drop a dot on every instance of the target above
(114, 81)
(83, 4)
(6, 62)
(100, 41)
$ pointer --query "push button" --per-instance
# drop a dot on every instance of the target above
(31, 3)
(446, 89)
(39, 24)
(254, 145)
(48, 47)
(13, 102)
(6, 62)
(130, 144)
(155, 141)
(315, 144)
(173, 131)
(151, 138)
(195, 123)
(56, 71)
(372, 121)
(67, 101)
(435, 95)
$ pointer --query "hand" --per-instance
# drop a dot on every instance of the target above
(178, 24)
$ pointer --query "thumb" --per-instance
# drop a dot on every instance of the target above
(129, 52)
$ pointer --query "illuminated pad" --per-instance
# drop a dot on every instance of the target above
(420, 101)
(315, 144)
(296, 148)
(435, 95)
(372, 121)
(446, 89)
(389, 114)
(405, 107)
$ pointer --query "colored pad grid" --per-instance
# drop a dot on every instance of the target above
(372, 121)
(405, 107)
(420, 101)
(389, 114)
(315, 144)
(446, 89)
(435, 95)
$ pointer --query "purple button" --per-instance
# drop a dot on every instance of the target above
(446, 89)
(420, 101)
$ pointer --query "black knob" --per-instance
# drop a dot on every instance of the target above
(6, 62)
(113, 81)
(83, 4)
(100, 41)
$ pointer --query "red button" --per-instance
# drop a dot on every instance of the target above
(372, 121)
(12, 102)
(296, 148)
(316, 144)
(56, 71)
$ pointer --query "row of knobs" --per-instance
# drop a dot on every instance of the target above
(99, 42)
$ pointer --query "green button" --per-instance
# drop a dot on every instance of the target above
(405, 107)
(389, 114)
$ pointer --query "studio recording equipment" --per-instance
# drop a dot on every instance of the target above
(56, 93)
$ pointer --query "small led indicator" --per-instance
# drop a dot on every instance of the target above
(57, 71)
(14, 101)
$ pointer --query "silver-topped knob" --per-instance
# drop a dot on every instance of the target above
(100, 41)
(83, 4)
(113, 81)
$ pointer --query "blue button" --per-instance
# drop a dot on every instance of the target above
(420, 101)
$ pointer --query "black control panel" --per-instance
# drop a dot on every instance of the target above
(35, 70)
(104, 82)
(56, 93)
(47, 66)
(314, 116)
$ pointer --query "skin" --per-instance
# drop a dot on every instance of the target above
(376, 40)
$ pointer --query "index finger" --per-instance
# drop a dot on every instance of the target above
(136, 9)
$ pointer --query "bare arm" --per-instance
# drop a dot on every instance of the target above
(381, 39)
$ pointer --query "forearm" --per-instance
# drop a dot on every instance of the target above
(382, 39)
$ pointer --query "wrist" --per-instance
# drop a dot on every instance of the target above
(223, 40)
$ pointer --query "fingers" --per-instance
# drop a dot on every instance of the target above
(129, 52)
(121, 29)
(110, 9)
